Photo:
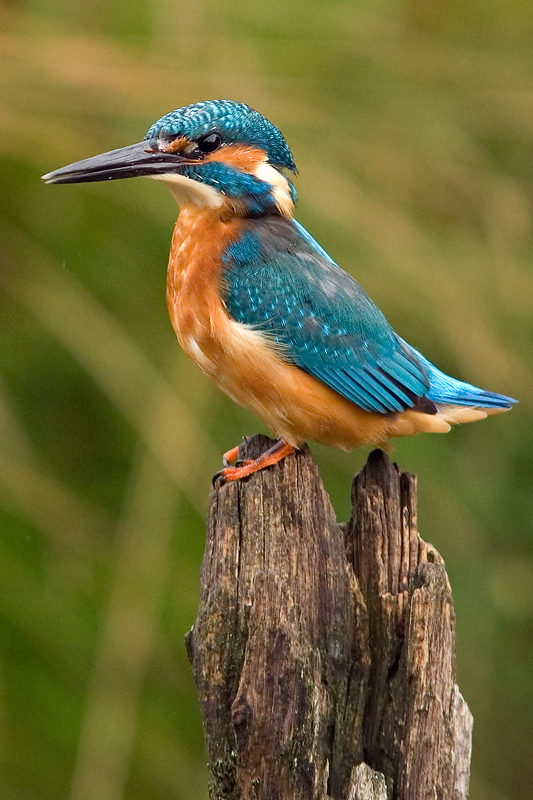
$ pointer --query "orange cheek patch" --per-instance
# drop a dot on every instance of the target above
(242, 157)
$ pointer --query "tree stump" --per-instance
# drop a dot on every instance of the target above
(324, 654)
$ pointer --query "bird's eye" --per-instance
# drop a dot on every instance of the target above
(210, 142)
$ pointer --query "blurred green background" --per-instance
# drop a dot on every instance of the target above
(412, 126)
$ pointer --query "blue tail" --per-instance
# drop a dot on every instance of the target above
(445, 390)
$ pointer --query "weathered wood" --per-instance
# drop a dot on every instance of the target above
(324, 655)
(366, 784)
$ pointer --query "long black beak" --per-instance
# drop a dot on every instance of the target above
(127, 162)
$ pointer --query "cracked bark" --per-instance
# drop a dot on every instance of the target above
(324, 654)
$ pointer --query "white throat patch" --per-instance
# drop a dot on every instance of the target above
(188, 191)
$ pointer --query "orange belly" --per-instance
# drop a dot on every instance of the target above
(296, 406)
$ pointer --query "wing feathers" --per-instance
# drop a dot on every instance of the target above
(319, 317)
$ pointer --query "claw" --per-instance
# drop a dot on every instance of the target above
(216, 476)
(222, 473)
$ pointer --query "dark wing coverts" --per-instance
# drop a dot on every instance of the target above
(281, 284)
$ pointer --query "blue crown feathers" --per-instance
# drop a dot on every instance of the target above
(235, 122)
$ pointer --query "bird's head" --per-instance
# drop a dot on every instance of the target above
(215, 154)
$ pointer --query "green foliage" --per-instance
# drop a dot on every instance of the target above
(411, 126)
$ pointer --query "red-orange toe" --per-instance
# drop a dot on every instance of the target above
(272, 456)
(230, 457)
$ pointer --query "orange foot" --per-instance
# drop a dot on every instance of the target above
(276, 453)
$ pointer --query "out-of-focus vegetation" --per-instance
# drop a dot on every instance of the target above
(412, 126)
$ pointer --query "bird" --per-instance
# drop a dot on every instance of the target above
(259, 305)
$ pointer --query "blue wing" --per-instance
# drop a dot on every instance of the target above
(278, 280)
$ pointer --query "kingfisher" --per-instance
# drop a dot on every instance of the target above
(262, 309)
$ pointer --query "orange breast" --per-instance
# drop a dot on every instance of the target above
(194, 273)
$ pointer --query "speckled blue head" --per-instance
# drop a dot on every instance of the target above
(235, 122)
